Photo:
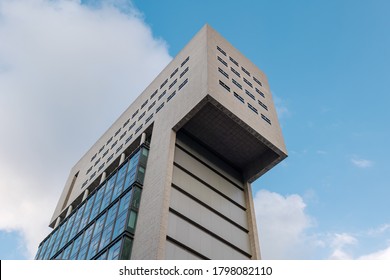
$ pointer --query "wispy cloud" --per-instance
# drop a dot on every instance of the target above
(361, 163)
(67, 71)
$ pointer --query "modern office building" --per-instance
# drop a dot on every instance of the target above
(170, 179)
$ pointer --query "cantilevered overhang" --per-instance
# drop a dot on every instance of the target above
(224, 134)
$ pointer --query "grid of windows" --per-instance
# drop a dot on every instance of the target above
(104, 223)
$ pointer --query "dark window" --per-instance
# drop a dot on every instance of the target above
(183, 84)
(144, 104)
(160, 107)
(252, 108)
(245, 71)
(164, 83)
(92, 175)
(105, 153)
(117, 132)
(257, 81)
(250, 95)
(185, 61)
(109, 140)
(101, 149)
(221, 51)
(113, 144)
(149, 118)
(232, 60)
(174, 72)
(126, 123)
(131, 126)
(248, 83)
(153, 94)
(259, 92)
(262, 105)
(162, 94)
(89, 170)
(96, 162)
(122, 135)
(172, 84)
(84, 184)
(171, 95)
(184, 71)
(235, 72)
(94, 156)
(151, 105)
(223, 72)
(222, 61)
(136, 112)
(128, 138)
(101, 166)
(119, 148)
(224, 85)
(110, 157)
(239, 97)
(141, 116)
(139, 128)
(237, 84)
(266, 119)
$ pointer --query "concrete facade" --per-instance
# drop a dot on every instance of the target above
(211, 128)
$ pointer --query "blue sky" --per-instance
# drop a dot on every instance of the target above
(328, 65)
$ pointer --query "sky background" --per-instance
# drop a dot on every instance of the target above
(68, 69)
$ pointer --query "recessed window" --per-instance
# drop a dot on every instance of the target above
(239, 97)
(113, 144)
(259, 92)
(110, 157)
(237, 84)
(153, 94)
(245, 71)
(185, 61)
(84, 184)
(105, 153)
(252, 108)
(141, 116)
(221, 51)
(160, 107)
(122, 135)
(162, 94)
(92, 175)
(262, 105)
(131, 126)
(94, 156)
(174, 72)
(144, 104)
(128, 138)
(101, 149)
(233, 60)
(266, 119)
(126, 123)
(235, 72)
(101, 166)
(171, 95)
(97, 162)
(117, 132)
(183, 84)
(139, 128)
(151, 105)
(164, 83)
(135, 113)
(250, 95)
(184, 71)
(149, 118)
(119, 148)
(109, 140)
(257, 81)
(172, 84)
(89, 170)
(223, 72)
(248, 83)
(224, 85)
(222, 61)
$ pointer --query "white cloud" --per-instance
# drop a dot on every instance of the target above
(67, 71)
(361, 163)
(339, 243)
(379, 255)
(282, 223)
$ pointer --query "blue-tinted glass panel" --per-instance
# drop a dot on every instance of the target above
(76, 223)
(103, 256)
(50, 246)
(69, 225)
(96, 204)
(106, 236)
(119, 225)
(108, 193)
(65, 255)
(76, 247)
(126, 251)
(114, 250)
(87, 212)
